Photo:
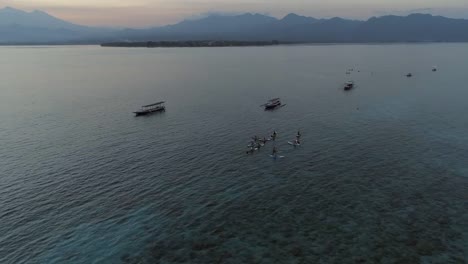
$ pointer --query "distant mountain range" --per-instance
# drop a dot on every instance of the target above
(37, 27)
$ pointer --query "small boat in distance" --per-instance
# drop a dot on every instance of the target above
(273, 104)
(409, 75)
(152, 108)
(434, 68)
(349, 85)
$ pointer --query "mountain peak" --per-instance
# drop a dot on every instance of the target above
(13, 11)
(292, 15)
(38, 12)
(41, 13)
(10, 9)
(37, 19)
(293, 18)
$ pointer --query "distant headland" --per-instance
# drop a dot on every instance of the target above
(189, 44)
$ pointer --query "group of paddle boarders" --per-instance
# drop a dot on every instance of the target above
(256, 143)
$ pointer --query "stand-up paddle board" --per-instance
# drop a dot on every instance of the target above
(261, 145)
(276, 156)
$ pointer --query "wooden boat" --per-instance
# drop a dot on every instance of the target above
(273, 104)
(151, 108)
(349, 85)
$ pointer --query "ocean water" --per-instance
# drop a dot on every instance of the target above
(381, 176)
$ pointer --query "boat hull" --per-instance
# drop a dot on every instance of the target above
(148, 112)
(273, 106)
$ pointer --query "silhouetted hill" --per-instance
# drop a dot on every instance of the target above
(37, 27)
(295, 28)
(240, 27)
(37, 19)
(412, 28)
(293, 19)
(228, 24)
(17, 26)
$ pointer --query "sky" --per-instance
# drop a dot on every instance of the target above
(145, 13)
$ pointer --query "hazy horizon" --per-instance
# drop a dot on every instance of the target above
(146, 13)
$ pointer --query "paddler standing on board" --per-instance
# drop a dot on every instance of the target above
(297, 142)
(274, 135)
(274, 152)
(298, 136)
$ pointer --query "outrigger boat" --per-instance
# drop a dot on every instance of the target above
(273, 104)
(349, 85)
(152, 108)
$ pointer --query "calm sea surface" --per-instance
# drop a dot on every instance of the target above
(381, 176)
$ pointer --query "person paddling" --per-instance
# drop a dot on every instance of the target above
(298, 136)
(251, 150)
(259, 144)
(297, 142)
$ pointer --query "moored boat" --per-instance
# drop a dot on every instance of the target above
(349, 85)
(151, 108)
(273, 104)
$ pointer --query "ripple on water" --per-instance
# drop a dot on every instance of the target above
(381, 176)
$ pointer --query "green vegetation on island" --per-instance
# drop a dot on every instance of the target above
(195, 43)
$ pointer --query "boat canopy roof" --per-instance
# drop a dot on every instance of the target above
(274, 99)
(155, 104)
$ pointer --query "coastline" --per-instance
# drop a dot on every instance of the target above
(251, 44)
(190, 44)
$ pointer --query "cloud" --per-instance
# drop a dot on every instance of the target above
(211, 13)
(421, 10)
(218, 13)
(387, 12)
